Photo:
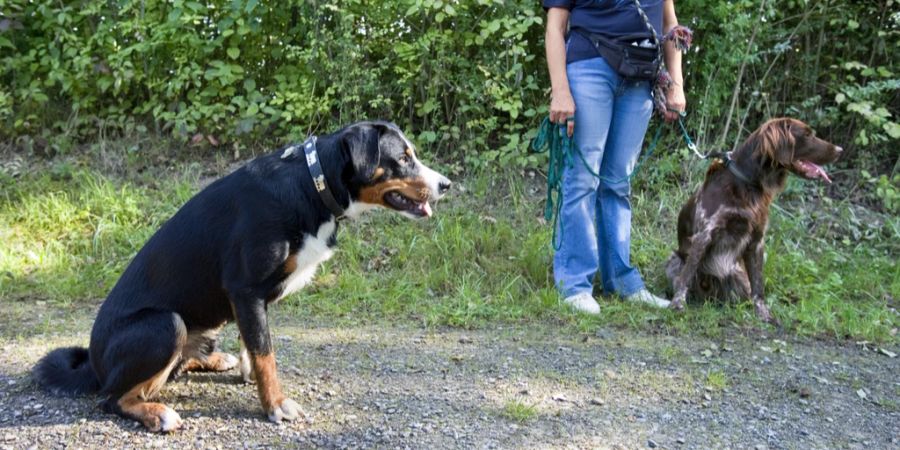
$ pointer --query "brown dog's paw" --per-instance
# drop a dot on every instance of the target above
(762, 311)
(677, 303)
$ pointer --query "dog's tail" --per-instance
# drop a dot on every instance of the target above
(66, 371)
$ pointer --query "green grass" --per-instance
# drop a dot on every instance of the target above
(716, 380)
(483, 260)
(67, 237)
(518, 411)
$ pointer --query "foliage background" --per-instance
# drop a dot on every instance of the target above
(467, 78)
(124, 107)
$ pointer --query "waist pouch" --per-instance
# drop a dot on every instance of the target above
(629, 61)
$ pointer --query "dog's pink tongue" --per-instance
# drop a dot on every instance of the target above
(812, 170)
(426, 208)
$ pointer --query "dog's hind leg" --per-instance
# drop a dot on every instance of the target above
(699, 244)
(139, 359)
(673, 268)
(200, 353)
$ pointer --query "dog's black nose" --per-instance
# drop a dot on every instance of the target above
(444, 186)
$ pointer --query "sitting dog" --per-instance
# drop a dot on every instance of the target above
(721, 229)
(244, 242)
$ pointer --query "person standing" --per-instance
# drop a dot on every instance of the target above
(608, 113)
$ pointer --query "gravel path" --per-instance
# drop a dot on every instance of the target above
(525, 386)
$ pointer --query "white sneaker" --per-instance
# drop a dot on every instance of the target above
(644, 296)
(583, 302)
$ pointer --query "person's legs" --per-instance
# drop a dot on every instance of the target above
(593, 85)
(633, 106)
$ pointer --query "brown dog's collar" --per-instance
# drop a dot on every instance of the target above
(732, 167)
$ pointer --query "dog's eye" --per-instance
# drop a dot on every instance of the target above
(405, 159)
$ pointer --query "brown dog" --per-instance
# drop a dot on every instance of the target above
(722, 227)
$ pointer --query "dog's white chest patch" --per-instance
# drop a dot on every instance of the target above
(314, 251)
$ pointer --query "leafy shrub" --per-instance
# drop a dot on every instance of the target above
(466, 77)
(460, 75)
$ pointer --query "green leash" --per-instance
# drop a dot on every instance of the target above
(552, 138)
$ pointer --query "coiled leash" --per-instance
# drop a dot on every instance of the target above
(553, 139)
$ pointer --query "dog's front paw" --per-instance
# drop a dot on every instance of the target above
(677, 303)
(763, 312)
(287, 410)
(247, 373)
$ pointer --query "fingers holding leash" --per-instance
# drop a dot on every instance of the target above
(562, 111)
(676, 103)
(673, 115)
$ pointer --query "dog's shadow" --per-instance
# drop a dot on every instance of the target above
(210, 395)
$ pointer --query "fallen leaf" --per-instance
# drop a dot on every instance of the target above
(887, 353)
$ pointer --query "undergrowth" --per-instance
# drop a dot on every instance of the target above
(483, 259)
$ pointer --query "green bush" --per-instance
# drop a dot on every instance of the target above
(466, 77)
(459, 74)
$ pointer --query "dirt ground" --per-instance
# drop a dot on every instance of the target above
(527, 386)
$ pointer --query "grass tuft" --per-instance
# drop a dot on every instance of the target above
(716, 380)
(519, 411)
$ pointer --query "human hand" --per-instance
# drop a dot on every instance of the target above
(562, 110)
(675, 102)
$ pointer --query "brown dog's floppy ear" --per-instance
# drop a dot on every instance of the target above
(777, 141)
(360, 144)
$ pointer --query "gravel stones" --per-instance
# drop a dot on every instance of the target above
(534, 386)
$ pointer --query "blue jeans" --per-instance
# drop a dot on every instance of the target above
(611, 118)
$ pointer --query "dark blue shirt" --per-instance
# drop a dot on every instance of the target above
(611, 18)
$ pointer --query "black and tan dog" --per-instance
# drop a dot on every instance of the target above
(721, 228)
(242, 243)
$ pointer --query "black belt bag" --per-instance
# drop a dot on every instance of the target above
(629, 61)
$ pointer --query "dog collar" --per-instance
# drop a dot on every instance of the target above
(732, 167)
(318, 177)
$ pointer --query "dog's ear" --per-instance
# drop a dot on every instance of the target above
(777, 141)
(360, 145)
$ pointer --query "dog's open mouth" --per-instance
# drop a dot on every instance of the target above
(400, 202)
(811, 170)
